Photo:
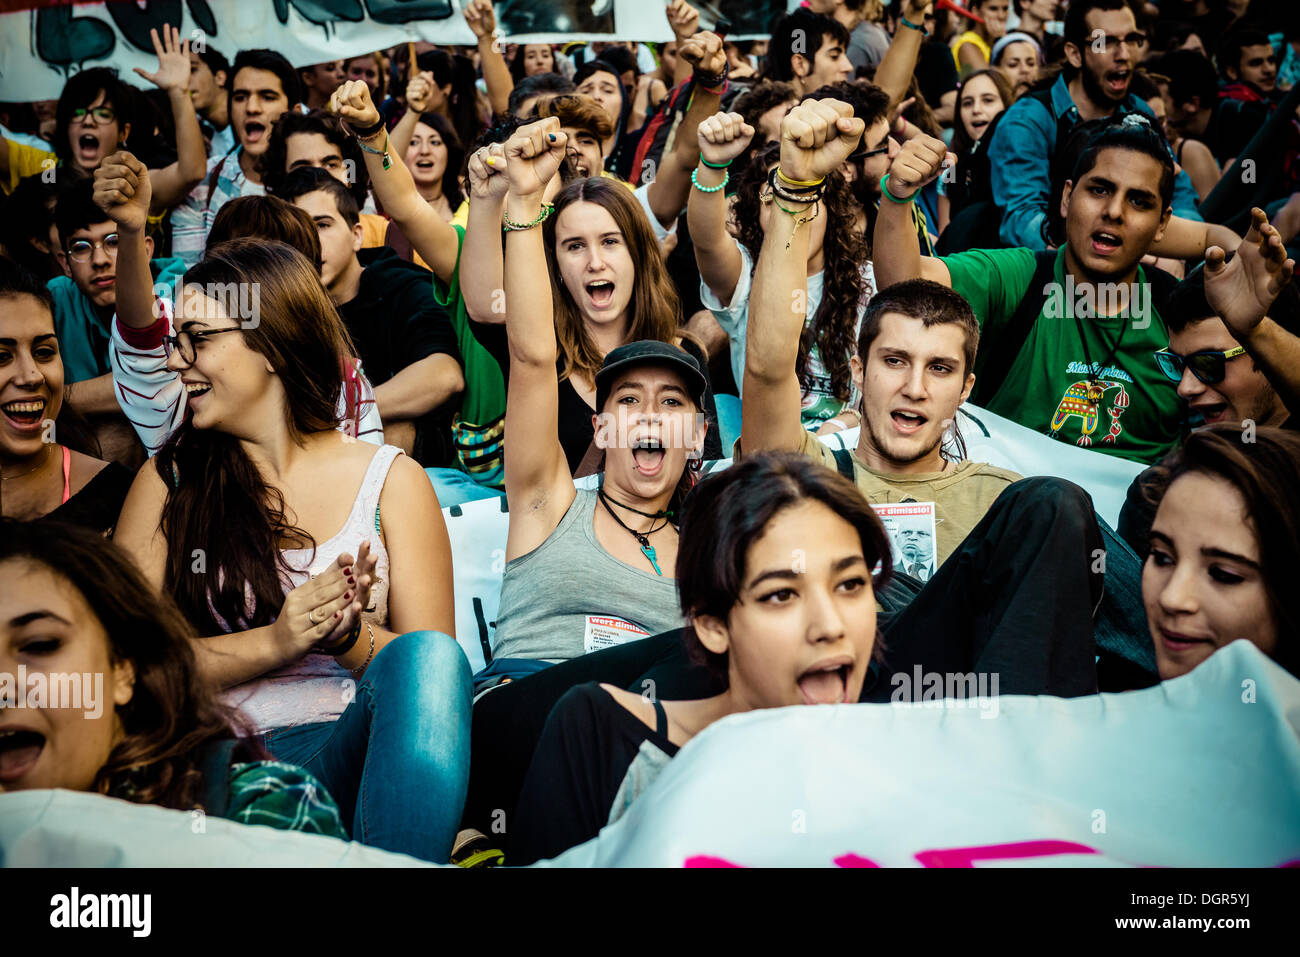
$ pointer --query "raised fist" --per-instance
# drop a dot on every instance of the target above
(683, 18)
(486, 168)
(480, 16)
(419, 92)
(122, 190)
(723, 137)
(704, 53)
(533, 155)
(921, 159)
(817, 136)
(351, 103)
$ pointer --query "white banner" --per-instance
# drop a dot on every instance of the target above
(39, 48)
(1201, 771)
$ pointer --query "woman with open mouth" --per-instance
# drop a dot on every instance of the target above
(431, 148)
(317, 568)
(772, 633)
(981, 99)
(47, 469)
(145, 727)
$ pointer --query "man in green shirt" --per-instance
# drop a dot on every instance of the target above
(1082, 371)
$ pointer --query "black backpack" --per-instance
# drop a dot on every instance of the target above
(997, 355)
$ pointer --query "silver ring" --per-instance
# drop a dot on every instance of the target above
(312, 615)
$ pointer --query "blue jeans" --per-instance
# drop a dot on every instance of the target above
(397, 760)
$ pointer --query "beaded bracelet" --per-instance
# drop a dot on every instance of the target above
(726, 175)
(513, 227)
(370, 657)
(388, 160)
(884, 191)
(801, 195)
(715, 165)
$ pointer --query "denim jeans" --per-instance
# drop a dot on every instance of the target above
(454, 487)
(397, 760)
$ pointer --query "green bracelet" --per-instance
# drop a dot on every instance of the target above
(388, 160)
(715, 165)
(513, 227)
(919, 28)
(884, 191)
(709, 189)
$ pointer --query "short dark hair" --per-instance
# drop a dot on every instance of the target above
(24, 218)
(729, 511)
(266, 218)
(1143, 86)
(761, 97)
(1076, 26)
(292, 123)
(80, 91)
(1186, 304)
(214, 61)
(536, 85)
(1136, 132)
(932, 303)
(1234, 43)
(270, 61)
(813, 27)
(622, 59)
(310, 179)
(76, 209)
(17, 281)
(1190, 75)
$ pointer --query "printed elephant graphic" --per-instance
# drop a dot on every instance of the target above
(1084, 399)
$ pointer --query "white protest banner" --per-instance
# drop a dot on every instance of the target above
(1201, 771)
(42, 42)
(1100, 781)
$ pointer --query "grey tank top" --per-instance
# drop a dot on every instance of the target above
(569, 596)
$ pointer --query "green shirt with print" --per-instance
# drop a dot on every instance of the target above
(1131, 410)
(478, 431)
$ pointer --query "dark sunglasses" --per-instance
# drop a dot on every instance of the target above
(1209, 365)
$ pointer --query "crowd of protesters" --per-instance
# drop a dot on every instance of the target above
(260, 323)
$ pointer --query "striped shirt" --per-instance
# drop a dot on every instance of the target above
(192, 219)
(153, 396)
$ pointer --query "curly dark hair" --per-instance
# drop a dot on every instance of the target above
(833, 328)
(173, 713)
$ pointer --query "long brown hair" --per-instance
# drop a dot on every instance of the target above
(1266, 471)
(217, 500)
(833, 327)
(656, 308)
(172, 713)
(961, 141)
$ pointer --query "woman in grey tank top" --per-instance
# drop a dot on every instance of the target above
(586, 569)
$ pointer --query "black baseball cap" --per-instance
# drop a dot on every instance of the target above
(649, 352)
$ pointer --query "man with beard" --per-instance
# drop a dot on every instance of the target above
(1102, 48)
(262, 85)
(913, 367)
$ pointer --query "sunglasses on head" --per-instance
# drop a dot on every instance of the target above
(1208, 365)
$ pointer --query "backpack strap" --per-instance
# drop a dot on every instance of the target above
(1005, 349)
(844, 462)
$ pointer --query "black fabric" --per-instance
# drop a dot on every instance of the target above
(508, 721)
(394, 321)
(1016, 599)
(214, 764)
(844, 463)
(1233, 124)
(584, 753)
(99, 503)
(936, 73)
(1230, 202)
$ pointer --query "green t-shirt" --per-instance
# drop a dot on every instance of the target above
(478, 431)
(1137, 414)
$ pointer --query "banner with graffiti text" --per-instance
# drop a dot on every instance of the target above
(42, 43)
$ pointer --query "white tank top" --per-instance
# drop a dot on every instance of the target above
(316, 687)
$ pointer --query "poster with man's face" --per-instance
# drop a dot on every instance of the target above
(910, 528)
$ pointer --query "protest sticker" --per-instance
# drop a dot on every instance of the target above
(604, 631)
(910, 527)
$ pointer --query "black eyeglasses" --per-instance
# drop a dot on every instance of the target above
(1136, 41)
(867, 154)
(1208, 365)
(184, 342)
(79, 251)
(103, 115)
